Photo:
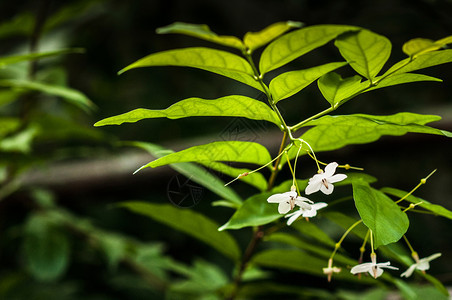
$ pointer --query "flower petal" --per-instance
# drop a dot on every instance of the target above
(409, 271)
(319, 205)
(337, 178)
(386, 265)
(325, 190)
(423, 265)
(293, 217)
(277, 198)
(313, 187)
(365, 267)
(330, 169)
(376, 272)
(284, 207)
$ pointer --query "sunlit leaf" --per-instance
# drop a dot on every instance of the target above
(435, 208)
(247, 152)
(254, 40)
(297, 43)
(401, 79)
(229, 106)
(335, 132)
(423, 61)
(194, 172)
(203, 32)
(46, 249)
(212, 60)
(189, 222)
(380, 214)
(290, 83)
(254, 211)
(419, 46)
(337, 90)
(366, 51)
(72, 96)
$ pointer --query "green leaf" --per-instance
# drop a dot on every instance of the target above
(194, 172)
(345, 222)
(419, 46)
(312, 230)
(296, 260)
(366, 51)
(203, 32)
(297, 43)
(423, 61)
(9, 125)
(401, 79)
(254, 211)
(337, 90)
(46, 249)
(254, 40)
(247, 152)
(4, 61)
(290, 83)
(255, 179)
(20, 142)
(189, 222)
(70, 95)
(435, 208)
(335, 132)
(229, 106)
(212, 60)
(380, 214)
(308, 246)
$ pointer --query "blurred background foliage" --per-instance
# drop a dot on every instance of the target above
(60, 234)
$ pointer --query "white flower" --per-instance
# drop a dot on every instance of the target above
(421, 264)
(288, 200)
(324, 180)
(374, 269)
(330, 270)
(304, 212)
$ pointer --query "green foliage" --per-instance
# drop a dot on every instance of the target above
(366, 53)
(46, 249)
(380, 214)
(212, 60)
(247, 152)
(189, 222)
(311, 246)
(229, 106)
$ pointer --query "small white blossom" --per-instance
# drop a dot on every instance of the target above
(305, 213)
(375, 270)
(421, 264)
(330, 270)
(324, 180)
(288, 200)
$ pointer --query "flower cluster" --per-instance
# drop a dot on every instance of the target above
(323, 181)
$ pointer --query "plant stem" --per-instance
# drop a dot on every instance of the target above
(257, 236)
